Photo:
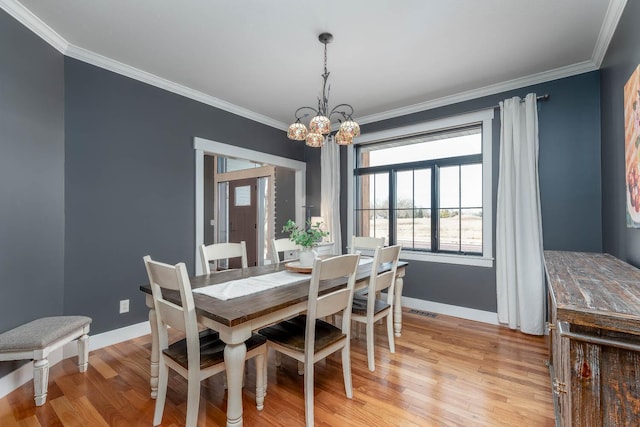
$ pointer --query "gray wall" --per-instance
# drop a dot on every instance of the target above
(623, 56)
(129, 184)
(31, 178)
(569, 168)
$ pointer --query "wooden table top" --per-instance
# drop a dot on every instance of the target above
(594, 289)
(239, 310)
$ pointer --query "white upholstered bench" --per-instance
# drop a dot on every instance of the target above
(37, 339)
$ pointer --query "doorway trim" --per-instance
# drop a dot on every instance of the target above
(204, 147)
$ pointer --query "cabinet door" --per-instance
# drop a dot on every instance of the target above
(585, 383)
(605, 379)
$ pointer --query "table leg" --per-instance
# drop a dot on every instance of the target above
(234, 356)
(397, 304)
(155, 356)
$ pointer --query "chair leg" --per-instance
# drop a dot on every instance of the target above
(260, 380)
(40, 380)
(193, 398)
(346, 369)
(370, 346)
(392, 344)
(278, 359)
(163, 378)
(308, 394)
(83, 353)
(300, 368)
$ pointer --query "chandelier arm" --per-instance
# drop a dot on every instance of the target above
(299, 117)
(345, 114)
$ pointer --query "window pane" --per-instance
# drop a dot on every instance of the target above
(431, 146)
(450, 230)
(379, 225)
(404, 190)
(422, 196)
(450, 187)
(471, 231)
(413, 216)
(471, 186)
(372, 219)
(422, 229)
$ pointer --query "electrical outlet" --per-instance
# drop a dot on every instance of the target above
(124, 306)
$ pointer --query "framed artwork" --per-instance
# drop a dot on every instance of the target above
(631, 147)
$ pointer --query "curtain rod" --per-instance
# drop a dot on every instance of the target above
(544, 97)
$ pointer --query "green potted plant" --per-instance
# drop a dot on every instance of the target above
(307, 238)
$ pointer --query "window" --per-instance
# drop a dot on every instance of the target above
(428, 188)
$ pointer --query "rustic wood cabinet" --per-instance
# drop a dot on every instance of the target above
(594, 330)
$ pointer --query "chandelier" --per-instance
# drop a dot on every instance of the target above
(320, 124)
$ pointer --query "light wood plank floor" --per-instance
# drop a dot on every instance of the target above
(445, 372)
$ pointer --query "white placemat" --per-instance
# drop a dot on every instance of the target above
(251, 285)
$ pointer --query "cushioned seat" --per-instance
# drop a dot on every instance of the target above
(360, 303)
(38, 338)
(39, 333)
(211, 349)
(291, 334)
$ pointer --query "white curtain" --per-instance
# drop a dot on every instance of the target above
(330, 192)
(519, 257)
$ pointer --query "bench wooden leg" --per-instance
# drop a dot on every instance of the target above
(40, 380)
(83, 352)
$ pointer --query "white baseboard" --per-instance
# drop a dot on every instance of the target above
(451, 310)
(24, 374)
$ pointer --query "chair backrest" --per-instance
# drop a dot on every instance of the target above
(218, 251)
(282, 245)
(335, 301)
(165, 277)
(363, 242)
(385, 280)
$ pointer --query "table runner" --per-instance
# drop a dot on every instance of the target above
(252, 285)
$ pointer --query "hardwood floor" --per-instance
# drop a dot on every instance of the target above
(445, 372)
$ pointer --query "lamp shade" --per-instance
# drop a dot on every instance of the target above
(315, 139)
(342, 139)
(350, 128)
(320, 124)
(297, 132)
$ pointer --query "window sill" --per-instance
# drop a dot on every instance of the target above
(477, 261)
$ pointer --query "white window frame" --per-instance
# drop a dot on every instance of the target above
(485, 117)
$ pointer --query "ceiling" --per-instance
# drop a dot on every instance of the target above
(262, 59)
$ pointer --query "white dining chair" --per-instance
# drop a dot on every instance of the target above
(368, 308)
(201, 354)
(282, 245)
(369, 244)
(220, 251)
(307, 338)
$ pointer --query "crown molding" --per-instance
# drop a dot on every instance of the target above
(558, 73)
(611, 19)
(32, 22)
(145, 77)
(35, 24)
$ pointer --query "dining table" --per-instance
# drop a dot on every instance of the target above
(235, 318)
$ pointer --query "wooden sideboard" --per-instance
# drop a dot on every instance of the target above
(594, 325)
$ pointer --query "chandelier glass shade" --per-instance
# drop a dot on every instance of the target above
(320, 124)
